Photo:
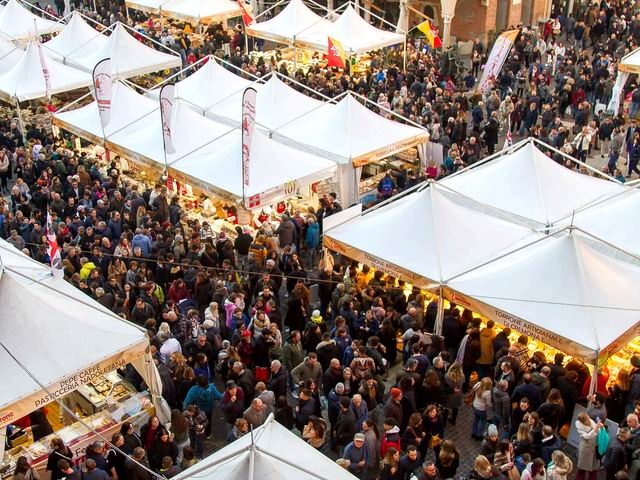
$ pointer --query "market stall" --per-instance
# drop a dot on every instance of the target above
(628, 65)
(25, 80)
(526, 184)
(203, 149)
(45, 316)
(129, 57)
(564, 292)
(17, 22)
(270, 452)
(354, 136)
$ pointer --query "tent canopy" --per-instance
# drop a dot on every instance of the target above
(354, 33)
(350, 132)
(9, 55)
(26, 80)
(77, 40)
(562, 291)
(18, 23)
(529, 184)
(294, 19)
(129, 57)
(269, 452)
(127, 106)
(428, 250)
(42, 317)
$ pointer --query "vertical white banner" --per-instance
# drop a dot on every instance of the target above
(102, 85)
(248, 125)
(616, 94)
(166, 106)
(496, 59)
(45, 70)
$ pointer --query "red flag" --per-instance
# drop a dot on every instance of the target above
(247, 18)
(335, 54)
(53, 250)
(431, 34)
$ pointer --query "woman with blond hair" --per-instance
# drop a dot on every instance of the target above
(560, 467)
(588, 463)
(481, 406)
(481, 469)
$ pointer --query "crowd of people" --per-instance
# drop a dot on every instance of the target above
(233, 324)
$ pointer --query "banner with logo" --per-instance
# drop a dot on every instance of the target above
(166, 106)
(102, 84)
(496, 59)
(45, 71)
(52, 248)
(248, 125)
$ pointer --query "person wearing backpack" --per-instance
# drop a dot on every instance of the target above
(386, 186)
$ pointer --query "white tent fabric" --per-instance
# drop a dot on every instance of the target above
(129, 57)
(562, 291)
(78, 39)
(354, 33)
(613, 221)
(127, 106)
(428, 250)
(26, 80)
(208, 86)
(530, 185)
(42, 316)
(18, 23)
(350, 132)
(277, 104)
(293, 20)
(269, 452)
(200, 11)
(9, 55)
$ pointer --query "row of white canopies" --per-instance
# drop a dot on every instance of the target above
(300, 26)
(299, 140)
(69, 57)
(542, 249)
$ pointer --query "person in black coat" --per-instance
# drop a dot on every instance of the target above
(345, 427)
(163, 446)
(491, 133)
(279, 381)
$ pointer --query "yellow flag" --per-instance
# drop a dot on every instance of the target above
(433, 37)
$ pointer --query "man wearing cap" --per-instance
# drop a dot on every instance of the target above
(357, 456)
(393, 407)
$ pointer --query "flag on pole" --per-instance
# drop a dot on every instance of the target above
(52, 248)
(247, 16)
(431, 34)
(102, 83)
(335, 55)
(497, 56)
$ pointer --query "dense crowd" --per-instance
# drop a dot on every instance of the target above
(235, 326)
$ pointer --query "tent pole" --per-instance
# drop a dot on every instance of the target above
(404, 57)
(594, 378)
(440, 318)
(21, 123)
(295, 57)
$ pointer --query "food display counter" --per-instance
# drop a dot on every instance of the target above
(114, 406)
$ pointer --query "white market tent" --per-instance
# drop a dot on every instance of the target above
(563, 291)
(425, 252)
(129, 57)
(630, 63)
(26, 80)
(18, 23)
(77, 39)
(354, 33)
(47, 315)
(294, 19)
(127, 107)
(192, 11)
(269, 452)
(204, 149)
(349, 132)
(528, 184)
